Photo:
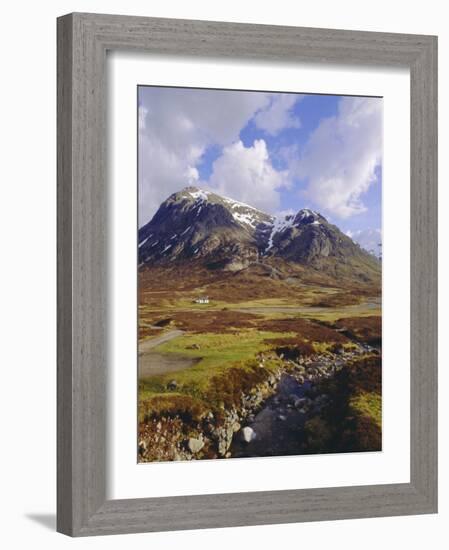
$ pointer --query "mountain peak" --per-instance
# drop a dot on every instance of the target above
(306, 216)
(199, 225)
(194, 192)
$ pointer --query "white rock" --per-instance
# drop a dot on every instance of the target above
(195, 445)
(248, 434)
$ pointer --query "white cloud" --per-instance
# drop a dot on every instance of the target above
(278, 115)
(177, 125)
(339, 160)
(246, 174)
(175, 128)
(369, 239)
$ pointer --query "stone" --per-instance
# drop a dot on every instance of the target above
(281, 417)
(172, 385)
(195, 445)
(248, 434)
(142, 447)
(300, 402)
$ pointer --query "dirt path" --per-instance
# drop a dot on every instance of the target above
(152, 363)
(147, 345)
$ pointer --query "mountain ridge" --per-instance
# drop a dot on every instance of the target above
(196, 225)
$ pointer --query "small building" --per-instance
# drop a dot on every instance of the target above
(202, 300)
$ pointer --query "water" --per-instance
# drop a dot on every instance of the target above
(279, 426)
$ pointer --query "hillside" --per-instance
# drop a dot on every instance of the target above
(202, 229)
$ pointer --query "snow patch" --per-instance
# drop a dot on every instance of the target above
(145, 240)
(307, 213)
(245, 218)
(237, 204)
(200, 194)
(280, 224)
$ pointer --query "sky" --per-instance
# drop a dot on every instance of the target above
(278, 152)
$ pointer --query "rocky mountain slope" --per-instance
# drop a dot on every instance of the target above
(220, 233)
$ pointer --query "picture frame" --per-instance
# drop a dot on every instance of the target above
(83, 41)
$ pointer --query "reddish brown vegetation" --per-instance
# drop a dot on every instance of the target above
(277, 279)
(341, 428)
(363, 329)
(314, 332)
(213, 321)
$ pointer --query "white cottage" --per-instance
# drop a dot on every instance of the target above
(202, 300)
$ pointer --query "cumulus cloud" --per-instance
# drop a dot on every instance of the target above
(339, 160)
(175, 128)
(246, 174)
(369, 239)
(177, 125)
(278, 114)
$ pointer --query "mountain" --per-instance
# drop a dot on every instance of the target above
(200, 225)
(220, 233)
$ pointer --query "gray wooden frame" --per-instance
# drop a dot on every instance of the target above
(83, 40)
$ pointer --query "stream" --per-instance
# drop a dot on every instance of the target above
(278, 426)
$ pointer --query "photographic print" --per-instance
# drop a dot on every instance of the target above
(259, 274)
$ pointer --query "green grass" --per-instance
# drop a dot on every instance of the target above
(221, 356)
(369, 404)
(217, 353)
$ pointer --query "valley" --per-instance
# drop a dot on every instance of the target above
(256, 338)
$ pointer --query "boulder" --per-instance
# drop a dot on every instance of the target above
(248, 434)
(142, 446)
(300, 402)
(195, 445)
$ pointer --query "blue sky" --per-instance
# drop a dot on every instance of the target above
(277, 152)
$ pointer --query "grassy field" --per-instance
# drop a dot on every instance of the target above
(218, 355)
(241, 325)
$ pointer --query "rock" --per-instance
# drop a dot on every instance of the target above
(248, 434)
(222, 447)
(172, 385)
(300, 402)
(195, 445)
(142, 447)
(281, 417)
